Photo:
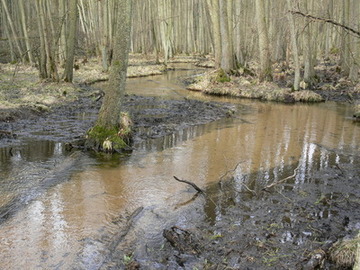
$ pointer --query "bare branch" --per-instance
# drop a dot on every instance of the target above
(347, 28)
(190, 183)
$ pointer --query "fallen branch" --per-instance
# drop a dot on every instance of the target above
(282, 180)
(327, 21)
(190, 183)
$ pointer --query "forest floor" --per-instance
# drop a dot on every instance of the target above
(22, 95)
(282, 229)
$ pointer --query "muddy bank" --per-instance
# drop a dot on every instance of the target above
(22, 95)
(248, 225)
(153, 117)
(329, 84)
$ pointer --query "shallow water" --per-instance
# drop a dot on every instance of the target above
(69, 222)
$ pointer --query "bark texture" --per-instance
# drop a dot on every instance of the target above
(71, 40)
(109, 115)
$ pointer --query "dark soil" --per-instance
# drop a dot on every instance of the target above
(280, 227)
(152, 117)
(155, 117)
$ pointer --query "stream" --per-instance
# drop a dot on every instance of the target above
(70, 215)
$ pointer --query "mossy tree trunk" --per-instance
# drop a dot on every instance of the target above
(110, 127)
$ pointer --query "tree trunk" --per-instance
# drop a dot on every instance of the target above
(12, 28)
(227, 56)
(7, 34)
(345, 39)
(64, 24)
(265, 73)
(108, 127)
(43, 73)
(104, 30)
(295, 52)
(48, 42)
(213, 6)
(71, 40)
(26, 35)
(355, 45)
(309, 71)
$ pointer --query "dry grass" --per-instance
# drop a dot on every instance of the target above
(357, 111)
(243, 87)
(306, 96)
(344, 252)
(21, 87)
(202, 83)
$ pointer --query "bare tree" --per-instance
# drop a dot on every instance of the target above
(12, 28)
(25, 31)
(227, 51)
(109, 118)
(265, 73)
(295, 51)
(214, 9)
(71, 40)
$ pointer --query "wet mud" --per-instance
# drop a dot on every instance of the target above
(248, 225)
(153, 117)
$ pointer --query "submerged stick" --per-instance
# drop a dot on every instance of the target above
(282, 180)
(191, 184)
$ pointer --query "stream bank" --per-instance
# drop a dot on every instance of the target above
(120, 212)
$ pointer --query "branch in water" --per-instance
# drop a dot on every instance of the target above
(190, 183)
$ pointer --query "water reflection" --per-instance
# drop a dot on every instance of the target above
(159, 86)
(72, 222)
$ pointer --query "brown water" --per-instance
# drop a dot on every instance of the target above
(66, 225)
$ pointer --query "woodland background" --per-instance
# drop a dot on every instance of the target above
(46, 33)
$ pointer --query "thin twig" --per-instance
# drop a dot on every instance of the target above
(282, 180)
(249, 189)
(233, 170)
